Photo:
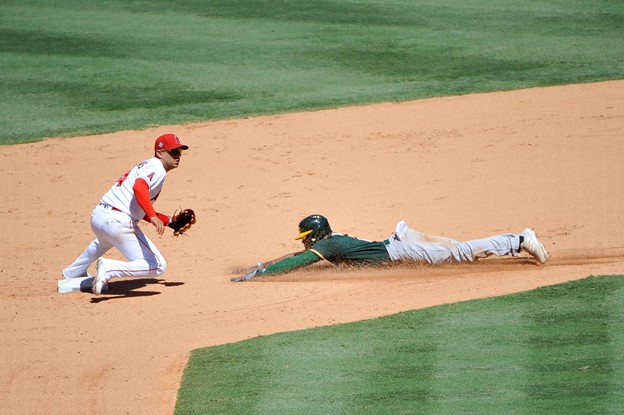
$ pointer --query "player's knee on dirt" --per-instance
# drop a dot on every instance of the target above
(161, 268)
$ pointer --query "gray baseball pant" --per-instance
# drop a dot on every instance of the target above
(412, 245)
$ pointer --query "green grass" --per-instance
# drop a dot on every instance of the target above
(74, 67)
(554, 350)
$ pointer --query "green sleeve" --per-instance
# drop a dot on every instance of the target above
(289, 264)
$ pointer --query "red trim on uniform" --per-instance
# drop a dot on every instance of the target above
(164, 218)
(141, 192)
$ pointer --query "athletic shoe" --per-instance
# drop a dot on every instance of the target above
(533, 246)
(100, 278)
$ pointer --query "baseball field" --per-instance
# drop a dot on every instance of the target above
(465, 119)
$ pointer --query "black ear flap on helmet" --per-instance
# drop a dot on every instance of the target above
(315, 227)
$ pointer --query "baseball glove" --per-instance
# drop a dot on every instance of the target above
(182, 221)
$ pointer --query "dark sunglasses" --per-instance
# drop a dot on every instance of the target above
(175, 152)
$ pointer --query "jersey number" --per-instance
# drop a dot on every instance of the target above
(122, 178)
(125, 175)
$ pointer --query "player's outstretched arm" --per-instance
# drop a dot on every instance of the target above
(265, 264)
(288, 263)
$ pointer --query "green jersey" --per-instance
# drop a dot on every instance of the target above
(337, 249)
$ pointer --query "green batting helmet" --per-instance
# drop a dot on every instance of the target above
(315, 227)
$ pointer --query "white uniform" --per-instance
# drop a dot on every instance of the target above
(115, 223)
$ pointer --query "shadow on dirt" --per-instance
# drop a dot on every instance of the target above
(127, 289)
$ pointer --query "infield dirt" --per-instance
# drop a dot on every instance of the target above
(463, 167)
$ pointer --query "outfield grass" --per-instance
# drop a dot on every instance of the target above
(74, 67)
(554, 350)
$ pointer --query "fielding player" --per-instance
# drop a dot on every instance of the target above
(115, 220)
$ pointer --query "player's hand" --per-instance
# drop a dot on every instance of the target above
(158, 224)
(245, 277)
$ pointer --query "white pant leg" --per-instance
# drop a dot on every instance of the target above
(408, 244)
(117, 229)
(94, 251)
(407, 234)
(145, 260)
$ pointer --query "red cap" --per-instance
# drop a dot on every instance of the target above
(169, 142)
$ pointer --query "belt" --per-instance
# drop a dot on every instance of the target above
(111, 207)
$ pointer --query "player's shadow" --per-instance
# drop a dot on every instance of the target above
(127, 289)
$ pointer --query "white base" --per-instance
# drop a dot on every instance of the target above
(72, 285)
